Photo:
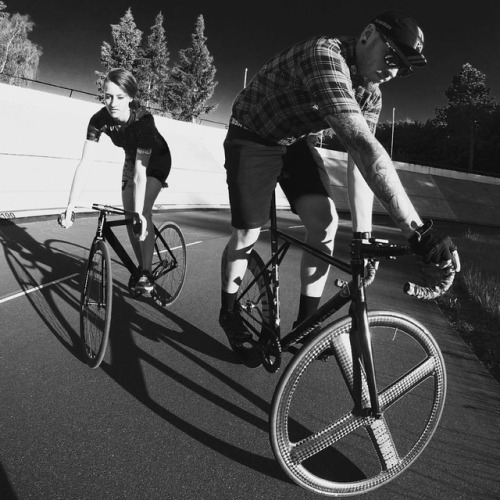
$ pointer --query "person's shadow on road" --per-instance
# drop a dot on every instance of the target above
(56, 262)
(124, 363)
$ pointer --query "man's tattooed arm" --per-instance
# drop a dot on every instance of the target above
(377, 169)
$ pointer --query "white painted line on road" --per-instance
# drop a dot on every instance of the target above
(40, 287)
(36, 288)
(187, 244)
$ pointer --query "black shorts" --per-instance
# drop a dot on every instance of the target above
(158, 167)
(254, 167)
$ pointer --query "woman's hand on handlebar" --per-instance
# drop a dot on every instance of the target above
(66, 219)
(140, 227)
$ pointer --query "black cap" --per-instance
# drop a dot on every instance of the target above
(402, 30)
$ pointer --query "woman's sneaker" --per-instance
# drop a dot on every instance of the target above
(144, 284)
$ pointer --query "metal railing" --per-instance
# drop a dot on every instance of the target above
(5, 78)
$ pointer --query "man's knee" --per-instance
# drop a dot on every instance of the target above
(322, 226)
(242, 238)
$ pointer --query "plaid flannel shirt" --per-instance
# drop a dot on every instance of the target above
(295, 90)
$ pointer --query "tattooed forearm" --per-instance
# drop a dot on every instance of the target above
(383, 179)
(377, 168)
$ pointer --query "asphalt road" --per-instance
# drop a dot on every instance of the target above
(170, 413)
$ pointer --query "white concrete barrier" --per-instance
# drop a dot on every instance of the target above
(41, 140)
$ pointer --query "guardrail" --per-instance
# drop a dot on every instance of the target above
(42, 136)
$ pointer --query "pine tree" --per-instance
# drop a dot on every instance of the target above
(469, 105)
(192, 81)
(125, 52)
(19, 57)
(154, 72)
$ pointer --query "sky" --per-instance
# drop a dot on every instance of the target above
(242, 36)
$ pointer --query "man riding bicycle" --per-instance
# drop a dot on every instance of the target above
(323, 82)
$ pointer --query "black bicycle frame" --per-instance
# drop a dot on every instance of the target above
(353, 292)
(105, 232)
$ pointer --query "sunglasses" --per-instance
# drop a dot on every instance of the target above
(394, 60)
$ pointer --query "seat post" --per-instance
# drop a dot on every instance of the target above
(274, 224)
(274, 273)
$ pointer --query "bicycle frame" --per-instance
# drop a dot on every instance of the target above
(105, 232)
(353, 292)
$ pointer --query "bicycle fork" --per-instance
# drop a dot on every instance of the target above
(361, 346)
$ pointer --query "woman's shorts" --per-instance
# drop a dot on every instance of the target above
(159, 168)
(254, 167)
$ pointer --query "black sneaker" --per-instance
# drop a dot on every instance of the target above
(134, 278)
(240, 339)
(144, 284)
(234, 328)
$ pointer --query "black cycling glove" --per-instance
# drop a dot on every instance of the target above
(432, 247)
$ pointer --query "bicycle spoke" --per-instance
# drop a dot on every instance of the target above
(318, 441)
(169, 264)
(254, 305)
(96, 302)
(326, 446)
(384, 444)
(407, 383)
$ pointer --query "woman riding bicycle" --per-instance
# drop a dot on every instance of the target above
(146, 167)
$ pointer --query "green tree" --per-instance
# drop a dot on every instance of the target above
(19, 57)
(469, 104)
(124, 52)
(192, 80)
(154, 71)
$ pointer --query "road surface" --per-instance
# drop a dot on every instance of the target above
(170, 413)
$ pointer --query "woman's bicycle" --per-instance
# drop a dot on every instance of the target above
(362, 396)
(168, 272)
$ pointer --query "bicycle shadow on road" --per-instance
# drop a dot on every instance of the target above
(124, 364)
(186, 334)
(34, 264)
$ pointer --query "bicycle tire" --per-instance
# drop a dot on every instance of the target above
(327, 447)
(169, 264)
(96, 304)
(255, 306)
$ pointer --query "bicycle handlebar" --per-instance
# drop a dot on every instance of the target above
(432, 292)
(370, 271)
(136, 225)
(112, 210)
(381, 248)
